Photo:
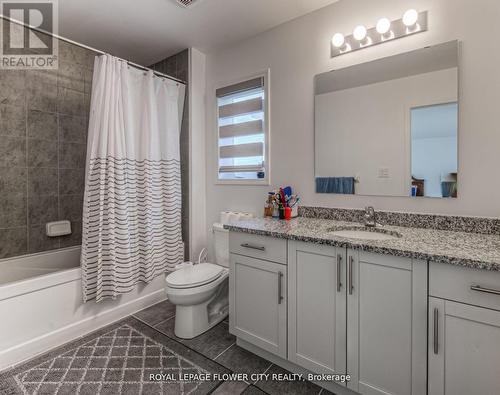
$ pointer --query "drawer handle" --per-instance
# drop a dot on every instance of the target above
(252, 247)
(478, 288)
(351, 262)
(280, 291)
(339, 262)
(436, 331)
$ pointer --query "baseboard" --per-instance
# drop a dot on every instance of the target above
(328, 385)
(34, 347)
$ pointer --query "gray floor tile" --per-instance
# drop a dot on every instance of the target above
(240, 360)
(157, 313)
(231, 388)
(326, 392)
(275, 387)
(167, 328)
(253, 390)
(213, 342)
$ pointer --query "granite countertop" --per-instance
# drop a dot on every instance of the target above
(471, 250)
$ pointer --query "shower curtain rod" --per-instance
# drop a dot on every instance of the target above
(130, 63)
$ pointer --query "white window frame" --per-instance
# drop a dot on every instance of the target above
(267, 131)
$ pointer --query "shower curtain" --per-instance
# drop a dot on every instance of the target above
(132, 204)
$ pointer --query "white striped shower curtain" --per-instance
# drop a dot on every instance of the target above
(132, 204)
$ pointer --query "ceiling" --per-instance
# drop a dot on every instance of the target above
(147, 31)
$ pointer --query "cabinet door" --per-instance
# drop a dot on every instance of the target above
(317, 307)
(386, 324)
(464, 349)
(257, 302)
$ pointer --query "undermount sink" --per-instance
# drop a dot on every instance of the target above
(364, 233)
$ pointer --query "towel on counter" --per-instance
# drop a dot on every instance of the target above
(344, 185)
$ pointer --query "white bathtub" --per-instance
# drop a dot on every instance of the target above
(41, 304)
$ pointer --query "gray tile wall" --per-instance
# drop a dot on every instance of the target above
(43, 129)
(178, 66)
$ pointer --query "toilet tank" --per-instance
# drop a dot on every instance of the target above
(221, 245)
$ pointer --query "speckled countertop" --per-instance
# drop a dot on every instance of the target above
(457, 248)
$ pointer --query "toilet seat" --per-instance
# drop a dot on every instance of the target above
(194, 276)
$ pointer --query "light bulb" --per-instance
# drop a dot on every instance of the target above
(338, 40)
(383, 26)
(359, 33)
(410, 17)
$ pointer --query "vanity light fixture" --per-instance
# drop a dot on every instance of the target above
(410, 18)
(383, 26)
(385, 30)
(359, 33)
(338, 41)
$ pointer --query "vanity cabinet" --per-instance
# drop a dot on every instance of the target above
(349, 312)
(317, 307)
(258, 292)
(359, 313)
(464, 331)
(464, 349)
(386, 324)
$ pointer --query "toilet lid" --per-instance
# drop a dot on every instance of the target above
(194, 276)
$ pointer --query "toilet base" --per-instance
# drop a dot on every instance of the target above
(192, 318)
(192, 321)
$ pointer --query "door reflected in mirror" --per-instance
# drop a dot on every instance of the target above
(434, 150)
(390, 127)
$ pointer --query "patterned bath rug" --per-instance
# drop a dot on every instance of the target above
(127, 357)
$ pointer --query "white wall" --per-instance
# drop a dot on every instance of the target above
(197, 141)
(367, 128)
(299, 49)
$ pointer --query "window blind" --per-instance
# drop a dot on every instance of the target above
(241, 124)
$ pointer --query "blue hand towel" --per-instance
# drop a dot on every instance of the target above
(344, 185)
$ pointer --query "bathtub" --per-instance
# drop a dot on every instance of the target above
(41, 304)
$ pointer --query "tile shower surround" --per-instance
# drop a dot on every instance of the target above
(43, 135)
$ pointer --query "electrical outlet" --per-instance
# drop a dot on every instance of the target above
(383, 172)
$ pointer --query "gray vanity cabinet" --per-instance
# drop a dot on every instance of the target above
(386, 324)
(258, 292)
(464, 331)
(317, 307)
(360, 313)
(464, 349)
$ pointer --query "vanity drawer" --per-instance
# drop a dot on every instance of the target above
(255, 246)
(471, 286)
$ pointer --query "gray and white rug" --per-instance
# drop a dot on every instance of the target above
(118, 359)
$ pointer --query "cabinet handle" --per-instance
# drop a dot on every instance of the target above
(280, 280)
(436, 331)
(351, 262)
(478, 288)
(252, 247)
(339, 262)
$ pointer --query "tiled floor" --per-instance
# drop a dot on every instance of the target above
(220, 346)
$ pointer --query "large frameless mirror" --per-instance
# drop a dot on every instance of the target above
(390, 127)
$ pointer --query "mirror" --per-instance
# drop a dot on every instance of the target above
(390, 127)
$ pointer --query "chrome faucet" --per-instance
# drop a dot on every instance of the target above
(370, 218)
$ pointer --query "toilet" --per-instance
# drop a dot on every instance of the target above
(201, 292)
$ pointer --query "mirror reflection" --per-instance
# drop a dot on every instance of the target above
(390, 127)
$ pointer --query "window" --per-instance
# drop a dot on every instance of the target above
(243, 136)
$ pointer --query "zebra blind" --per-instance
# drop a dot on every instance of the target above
(242, 134)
